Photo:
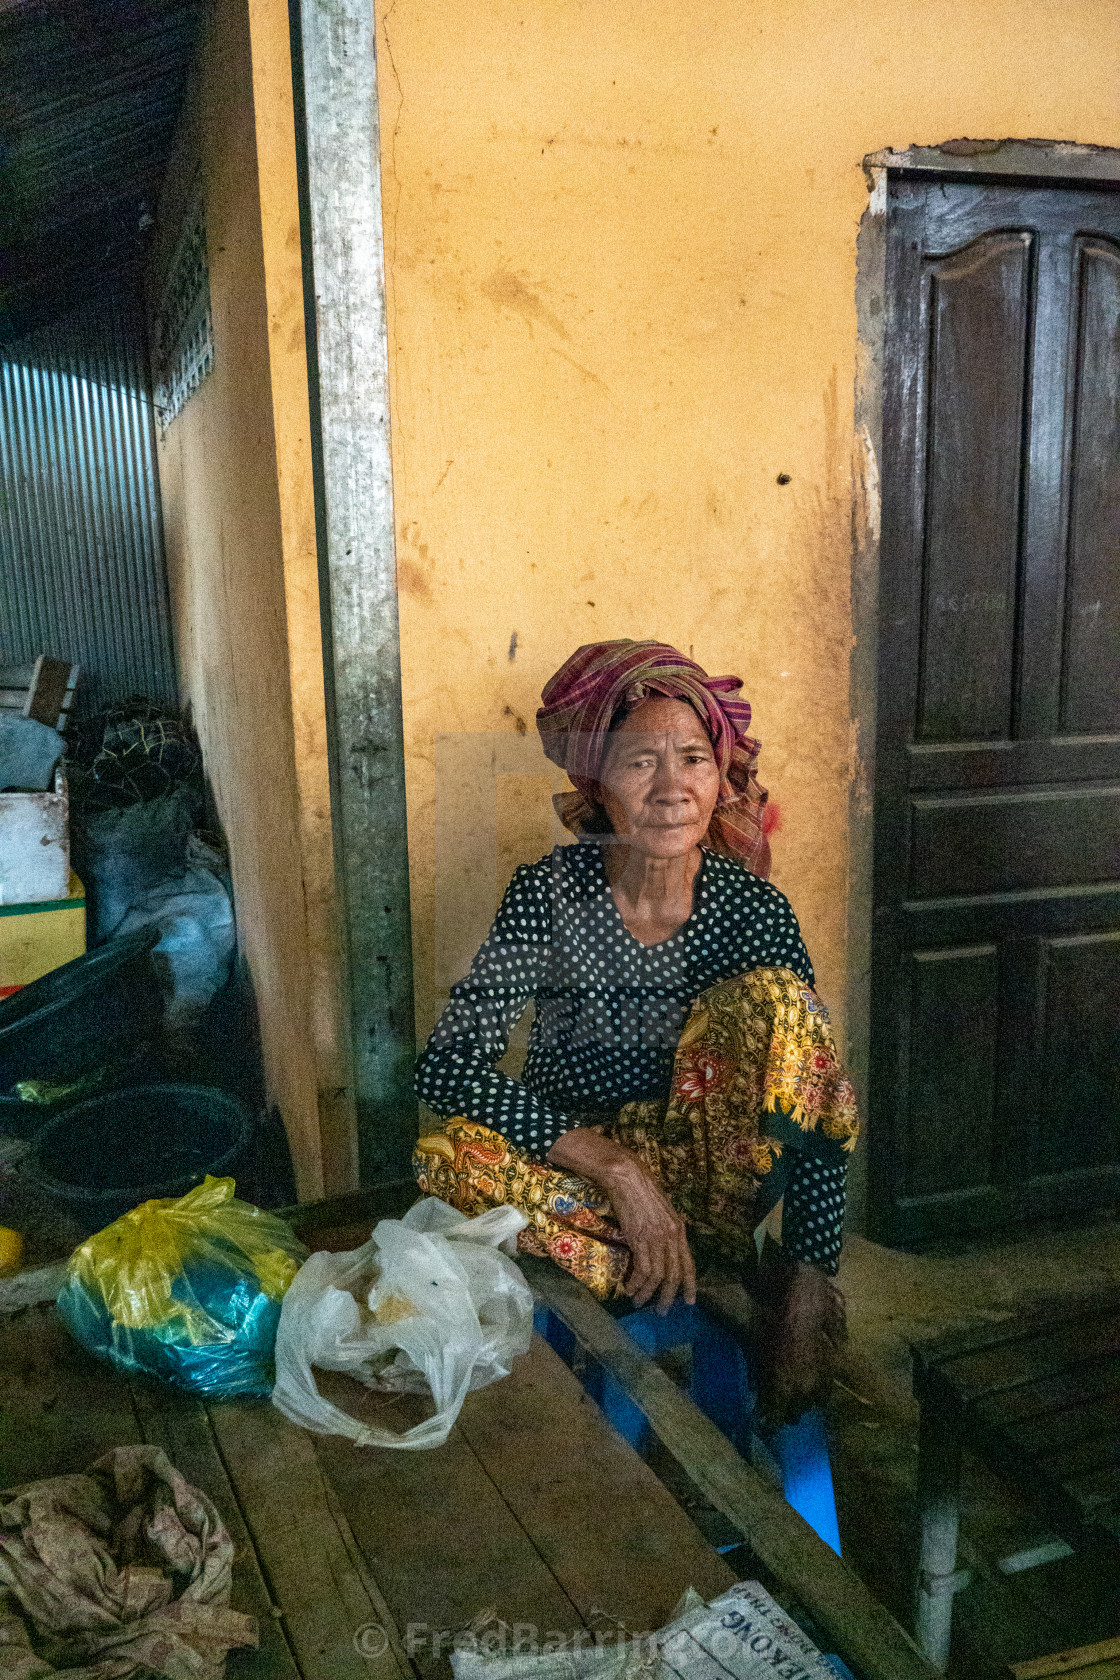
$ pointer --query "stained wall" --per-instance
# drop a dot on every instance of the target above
(235, 473)
(621, 253)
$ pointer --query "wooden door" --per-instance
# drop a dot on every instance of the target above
(996, 949)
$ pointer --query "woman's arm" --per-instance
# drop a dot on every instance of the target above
(456, 1073)
(651, 1227)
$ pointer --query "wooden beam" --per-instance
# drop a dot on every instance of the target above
(327, 980)
(863, 1631)
(337, 132)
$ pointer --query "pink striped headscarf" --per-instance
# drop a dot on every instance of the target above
(603, 679)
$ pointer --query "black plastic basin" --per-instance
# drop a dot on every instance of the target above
(105, 1156)
(82, 1016)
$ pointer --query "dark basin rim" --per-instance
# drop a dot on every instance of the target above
(142, 1192)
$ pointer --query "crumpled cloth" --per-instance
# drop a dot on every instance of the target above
(122, 1571)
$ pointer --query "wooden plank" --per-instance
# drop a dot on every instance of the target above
(60, 1408)
(1097, 1383)
(440, 1540)
(1027, 1360)
(47, 690)
(1058, 1430)
(337, 1623)
(608, 1529)
(1067, 1662)
(861, 1630)
(181, 1427)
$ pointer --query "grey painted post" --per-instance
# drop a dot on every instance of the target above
(939, 1497)
(345, 289)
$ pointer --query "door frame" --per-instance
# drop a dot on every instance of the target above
(1045, 162)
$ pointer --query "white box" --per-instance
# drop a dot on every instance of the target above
(35, 845)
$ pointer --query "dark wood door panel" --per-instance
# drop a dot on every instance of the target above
(997, 811)
(1046, 914)
(950, 1048)
(1079, 1122)
(968, 764)
(978, 304)
(968, 844)
(953, 213)
(1091, 653)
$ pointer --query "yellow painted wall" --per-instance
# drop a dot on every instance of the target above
(621, 253)
(235, 474)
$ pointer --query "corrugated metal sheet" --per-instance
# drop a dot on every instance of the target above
(82, 572)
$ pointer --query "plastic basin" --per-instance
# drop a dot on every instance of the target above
(83, 1015)
(105, 1156)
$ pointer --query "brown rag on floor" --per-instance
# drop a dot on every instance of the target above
(124, 1570)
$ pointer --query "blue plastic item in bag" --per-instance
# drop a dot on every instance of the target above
(187, 1289)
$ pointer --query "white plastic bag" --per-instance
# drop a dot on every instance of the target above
(198, 934)
(428, 1303)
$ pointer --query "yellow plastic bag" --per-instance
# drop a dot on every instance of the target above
(186, 1289)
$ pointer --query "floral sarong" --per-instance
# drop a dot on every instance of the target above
(755, 1079)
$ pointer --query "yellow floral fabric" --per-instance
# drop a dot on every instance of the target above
(755, 1071)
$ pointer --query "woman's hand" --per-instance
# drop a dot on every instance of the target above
(651, 1227)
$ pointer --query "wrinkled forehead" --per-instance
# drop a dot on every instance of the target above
(658, 723)
(660, 715)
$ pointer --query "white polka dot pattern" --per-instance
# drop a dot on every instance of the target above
(609, 1010)
(813, 1212)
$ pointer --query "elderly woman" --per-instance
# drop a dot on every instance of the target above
(681, 1076)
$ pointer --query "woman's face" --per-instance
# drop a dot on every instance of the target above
(659, 779)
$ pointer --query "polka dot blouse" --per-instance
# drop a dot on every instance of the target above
(608, 1013)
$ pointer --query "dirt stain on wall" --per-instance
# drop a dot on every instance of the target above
(506, 291)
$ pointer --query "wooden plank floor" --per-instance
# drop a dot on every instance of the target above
(364, 1562)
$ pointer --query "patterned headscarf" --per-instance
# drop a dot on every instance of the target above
(603, 679)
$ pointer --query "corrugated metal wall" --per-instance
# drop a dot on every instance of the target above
(82, 573)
